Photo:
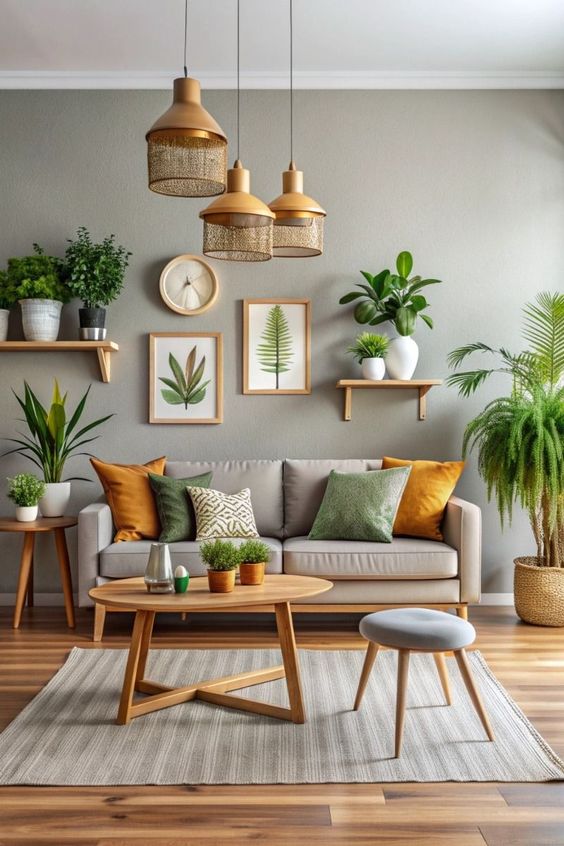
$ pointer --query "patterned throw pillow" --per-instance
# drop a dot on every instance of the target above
(220, 515)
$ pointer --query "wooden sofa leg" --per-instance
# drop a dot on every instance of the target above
(99, 620)
(462, 612)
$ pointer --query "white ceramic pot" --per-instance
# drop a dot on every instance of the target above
(26, 513)
(401, 358)
(41, 319)
(4, 317)
(373, 368)
(55, 500)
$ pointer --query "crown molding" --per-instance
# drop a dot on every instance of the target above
(330, 80)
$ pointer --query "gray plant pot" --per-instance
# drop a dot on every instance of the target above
(92, 324)
(41, 319)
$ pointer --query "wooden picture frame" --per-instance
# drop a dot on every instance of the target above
(258, 319)
(189, 349)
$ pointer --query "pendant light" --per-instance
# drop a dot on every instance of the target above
(238, 226)
(298, 225)
(187, 149)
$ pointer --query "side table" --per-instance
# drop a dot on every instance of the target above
(57, 526)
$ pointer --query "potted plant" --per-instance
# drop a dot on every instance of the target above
(369, 350)
(394, 297)
(26, 490)
(53, 438)
(38, 284)
(254, 555)
(221, 559)
(519, 438)
(8, 298)
(95, 275)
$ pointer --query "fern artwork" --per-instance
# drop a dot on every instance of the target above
(186, 377)
(275, 352)
(186, 387)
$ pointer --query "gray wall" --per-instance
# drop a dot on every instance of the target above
(471, 182)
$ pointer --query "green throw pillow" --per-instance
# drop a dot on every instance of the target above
(360, 506)
(176, 512)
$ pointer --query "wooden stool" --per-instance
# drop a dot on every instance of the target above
(419, 630)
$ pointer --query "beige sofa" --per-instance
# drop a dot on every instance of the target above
(286, 496)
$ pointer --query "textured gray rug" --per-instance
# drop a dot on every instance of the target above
(67, 734)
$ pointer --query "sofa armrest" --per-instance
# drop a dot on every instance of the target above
(462, 529)
(95, 533)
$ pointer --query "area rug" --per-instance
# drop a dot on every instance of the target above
(67, 735)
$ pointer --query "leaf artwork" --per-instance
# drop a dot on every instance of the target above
(275, 352)
(186, 388)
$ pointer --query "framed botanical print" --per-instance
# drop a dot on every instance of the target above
(276, 346)
(186, 377)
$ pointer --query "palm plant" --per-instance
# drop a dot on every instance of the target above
(187, 387)
(275, 352)
(52, 439)
(520, 437)
(369, 345)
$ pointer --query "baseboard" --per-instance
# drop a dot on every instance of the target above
(495, 599)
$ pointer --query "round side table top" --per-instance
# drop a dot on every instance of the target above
(132, 593)
(43, 524)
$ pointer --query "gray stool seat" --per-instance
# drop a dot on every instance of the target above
(418, 629)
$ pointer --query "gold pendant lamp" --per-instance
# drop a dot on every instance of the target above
(186, 147)
(298, 224)
(238, 226)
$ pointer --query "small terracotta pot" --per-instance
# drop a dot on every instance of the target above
(221, 581)
(251, 572)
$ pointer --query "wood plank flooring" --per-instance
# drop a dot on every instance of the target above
(529, 661)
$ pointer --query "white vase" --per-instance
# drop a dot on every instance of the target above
(373, 369)
(401, 358)
(41, 319)
(26, 513)
(55, 500)
(4, 316)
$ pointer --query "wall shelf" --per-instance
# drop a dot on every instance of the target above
(104, 349)
(422, 386)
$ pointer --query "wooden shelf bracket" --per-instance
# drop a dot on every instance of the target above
(104, 350)
(422, 386)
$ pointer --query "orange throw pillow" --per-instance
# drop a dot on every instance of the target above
(425, 496)
(130, 497)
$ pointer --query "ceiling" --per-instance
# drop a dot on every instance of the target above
(337, 43)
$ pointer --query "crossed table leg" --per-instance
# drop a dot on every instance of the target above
(215, 691)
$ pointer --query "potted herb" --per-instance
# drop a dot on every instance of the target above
(369, 350)
(38, 284)
(8, 298)
(394, 297)
(254, 556)
(95, 275)
(53, 438)
(26, 490)
(520, 438)
(222, 559)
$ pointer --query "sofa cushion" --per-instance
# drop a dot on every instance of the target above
(264, 478)
(176, 512)
(221, 515)
(130, 498)
(121, 560)
(305, 481)
(403, 558)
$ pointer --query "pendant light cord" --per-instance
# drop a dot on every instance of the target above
(291, 81)
(185, 37)
(238, 77)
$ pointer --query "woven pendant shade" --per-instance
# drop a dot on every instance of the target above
(238, 226)
(298, 224)
(187, 149)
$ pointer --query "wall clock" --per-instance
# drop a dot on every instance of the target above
(188, 285)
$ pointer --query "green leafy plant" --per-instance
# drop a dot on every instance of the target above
(520, 437)
(187, 387)
(95, 271)
(25, 490)
(53, 437)
(275, 352)
(8, 291)
(254, 552)
(220, 555)
(392, 297)
(369, 345)
(36, 277)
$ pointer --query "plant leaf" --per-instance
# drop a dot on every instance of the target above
(171, 397)
(404, 263)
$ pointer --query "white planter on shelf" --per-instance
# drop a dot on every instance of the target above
(4, 316)
(26, 513)
(41, 319)
(56, 499)
(401, 358)
(373, 369)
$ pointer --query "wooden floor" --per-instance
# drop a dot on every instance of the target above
(529, 661)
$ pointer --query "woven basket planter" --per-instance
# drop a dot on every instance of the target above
(539, 592)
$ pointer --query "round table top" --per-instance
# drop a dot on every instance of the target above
(42, 524)
(132, 593)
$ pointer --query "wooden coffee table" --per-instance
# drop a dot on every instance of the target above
(279, 591)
